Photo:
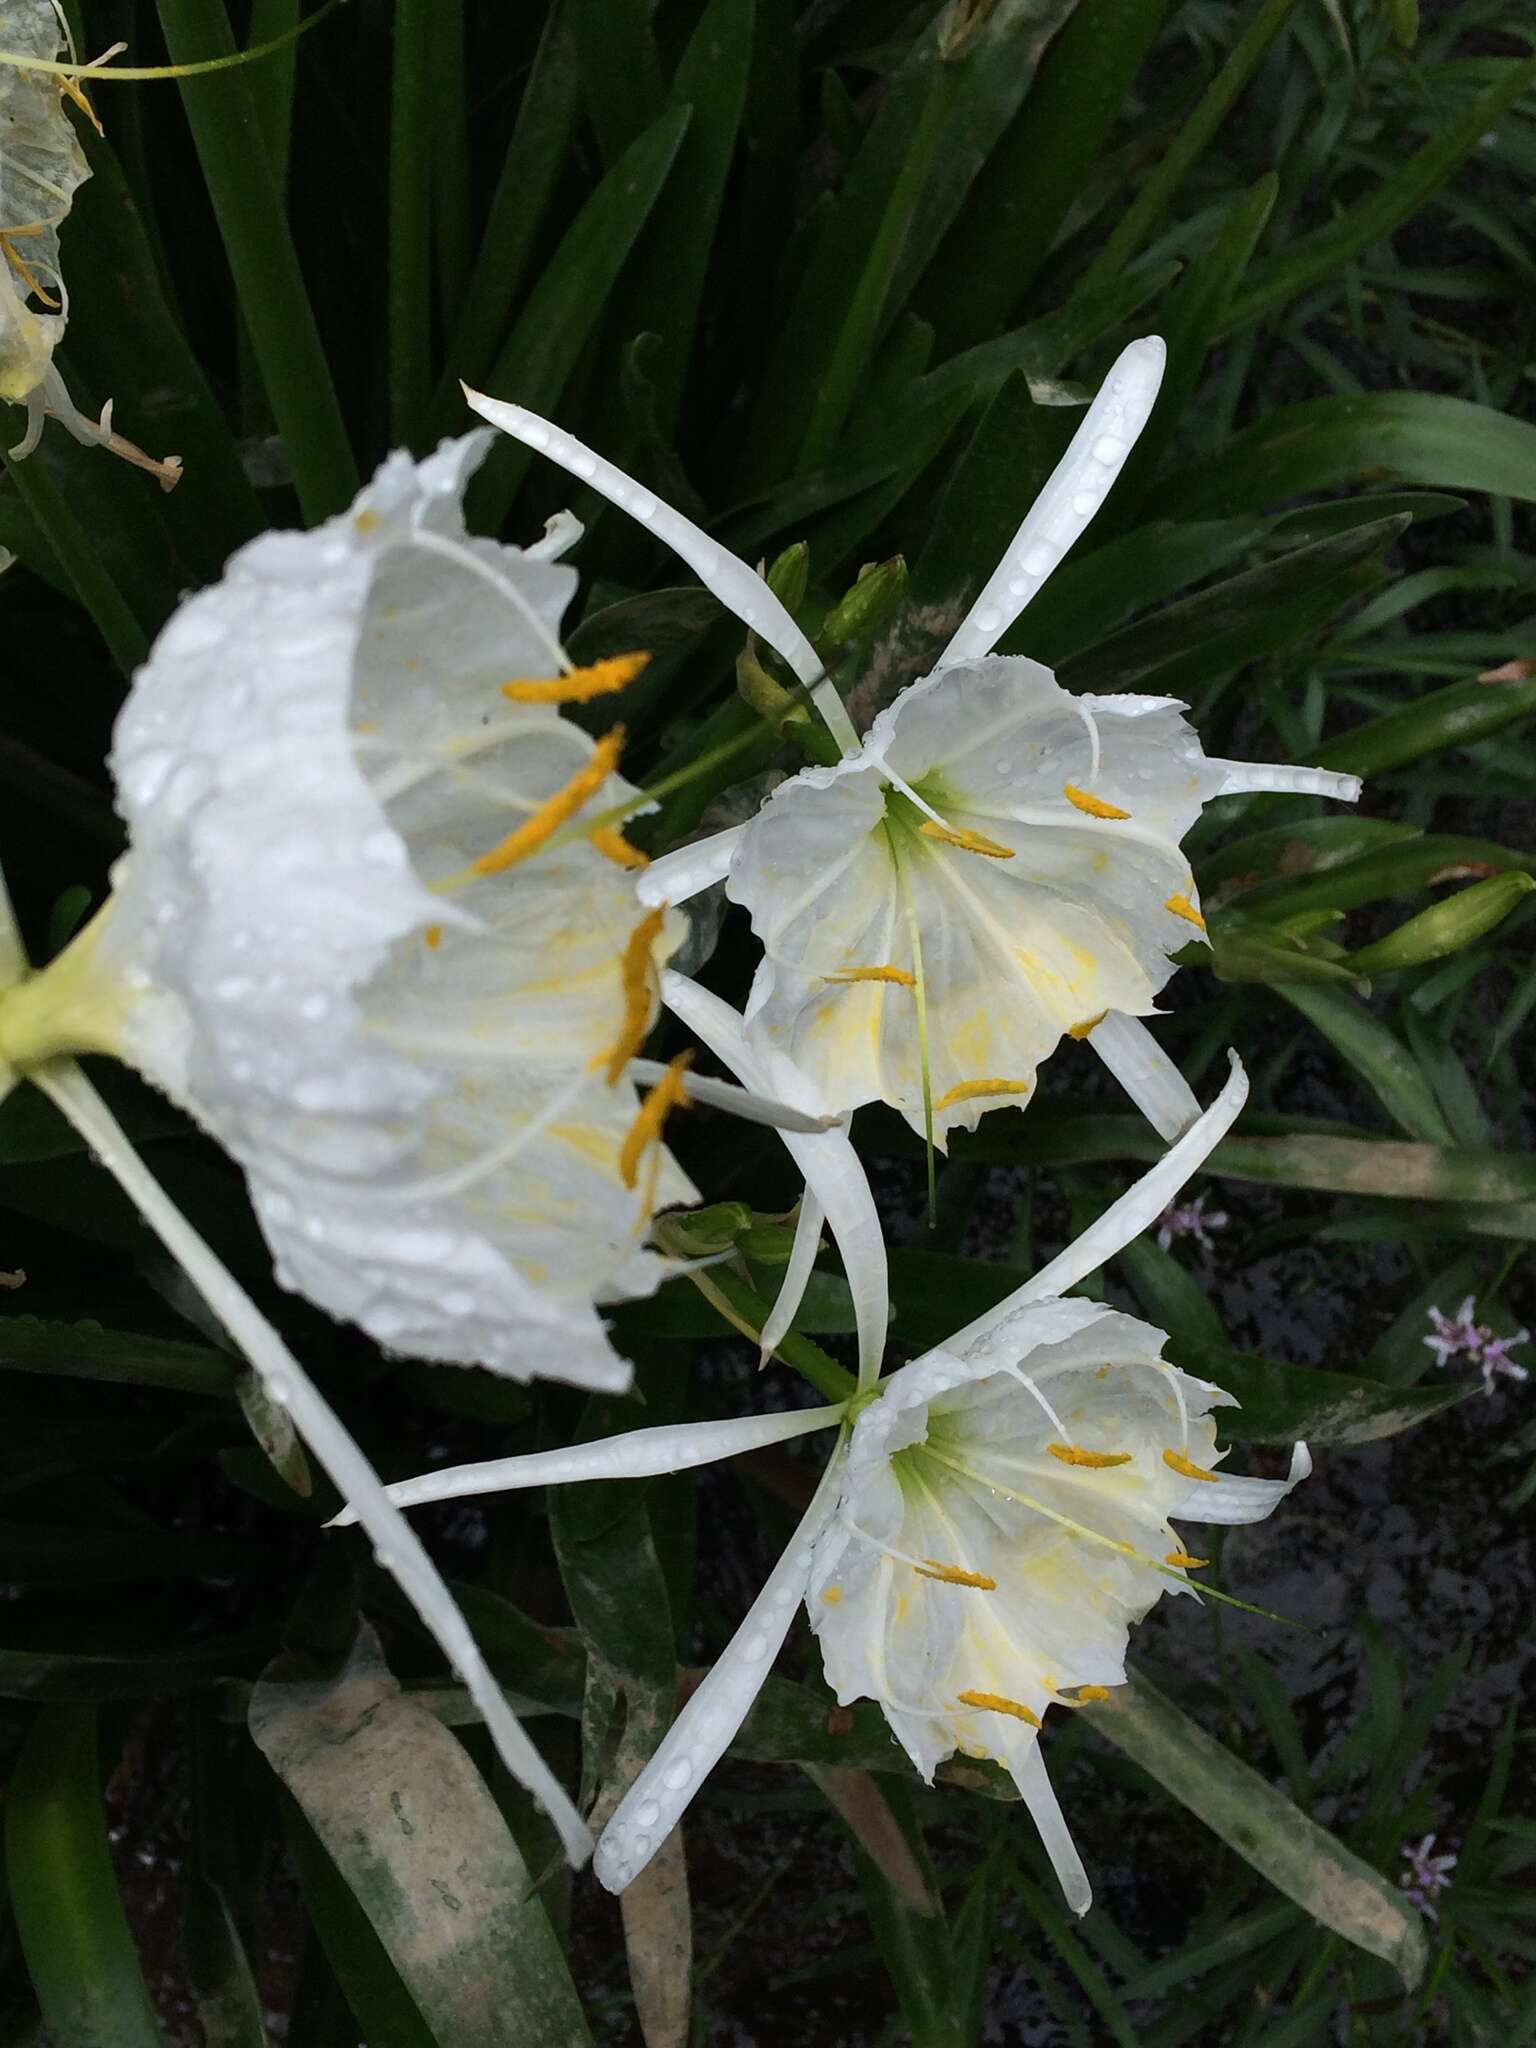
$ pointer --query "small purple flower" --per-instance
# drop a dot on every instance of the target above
(1462, 1336)
(1426, 1874)
(1188, 1219)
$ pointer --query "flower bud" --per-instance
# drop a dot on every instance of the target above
(1445, 927)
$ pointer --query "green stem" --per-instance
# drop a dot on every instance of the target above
(1191, 142)
(410, 219)
(268, 282)
(739, 1303)
(127, 642)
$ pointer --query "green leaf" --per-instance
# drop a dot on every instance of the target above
(74, 1932)
(913, 1943)
(619, 69)
(564, 306)
(413, 1831)
(413, 107)
(69, 1675)
(1266, 1829)
(1377, 1055)
(1283, 1403)
(86, 1351)
(1458, 716)
(1411, 437)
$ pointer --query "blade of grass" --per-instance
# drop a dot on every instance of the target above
(413, 102)
(268, 282)
(619, 69)
(73, 550)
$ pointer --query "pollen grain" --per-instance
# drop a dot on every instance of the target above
(432, 937)
(545, 822)
(1093, 806)
(580, 685)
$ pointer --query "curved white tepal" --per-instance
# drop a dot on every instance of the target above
(724, 575)
(1073, 492)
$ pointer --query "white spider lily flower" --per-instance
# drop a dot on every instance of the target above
(41, 165)
(373, 933)
(996, 865)
(993, 1519)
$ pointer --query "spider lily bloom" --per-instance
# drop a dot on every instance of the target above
(375, 935)
(992, 1520)
(995, 865)
(41, 164)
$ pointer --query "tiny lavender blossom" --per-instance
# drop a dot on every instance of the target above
(1188, 1219)
(1426, 1874)
(1463, 1336)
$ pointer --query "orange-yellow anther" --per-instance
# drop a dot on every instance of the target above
(432, 937)
(953, 1575)
(1093, 1692)
(635, 972)
(1094, 806)
(28, 276)
(1183, 1559)
(967, 842)
(612, 845)
(1177, 1462)
(1074, 1454)
(668, 1094)
(546, 821)
(995, 1703)
(1182, 907)
(1088, 1024)
(899, 975)
(580, 685)
(967, 1091)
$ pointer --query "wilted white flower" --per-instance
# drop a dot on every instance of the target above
(373, 934)
(995, 865)
(993, 1519)
(41, 164)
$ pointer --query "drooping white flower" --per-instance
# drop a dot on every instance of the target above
(41, 164)
(995, 865)
(373, 934)
(993, 1519)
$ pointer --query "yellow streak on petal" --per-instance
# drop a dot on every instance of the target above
(1177, 1461)
(995, 1703)
(668, 1094)
(1095, 806)
(967, 842)
(1182, 907)
(1183, 1559)
(366, 520)
(954, 1575)
(554, 811)
(1088, 1024)
(1074, 1454)
(635, 973)
(581, 685)
(832, 1595)
(432, 937)
(967, 1091)
(896, 974)
(612, 845)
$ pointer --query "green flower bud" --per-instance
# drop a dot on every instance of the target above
(1446, 927)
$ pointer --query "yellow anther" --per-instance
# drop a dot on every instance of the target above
(1182, 907)
(1095, 806)
(432, 937)
(28, 276)
(967, 1091)
(1093, 1692)
(968, 842)
(996, 1704)
(612, 845)
(580, 685)
(1177, 1462)
(1088, 1024)
(896, 974)
(952, 1575)
(546, 821)
(668, 1094)
(1183, 1559)
(1074, 1454)
(635, 973)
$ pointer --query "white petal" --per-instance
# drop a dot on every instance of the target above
(1036, 1790)
(1072, 494)
(1124, 1220)
(739, 588)
(1243, 1500)
(1146, 1073)
(692, 868)
(636, 1454)
(700, 1735)
(743, 1102)
(797, 1273)
(1245, 776)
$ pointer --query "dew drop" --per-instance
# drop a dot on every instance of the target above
(644, 506)
(641, 1844)
(1108, 449)
(754, 1647)
(279, 1392)
(536, 437)
(648, 1813)
(1084, 502)
(677, 1775)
